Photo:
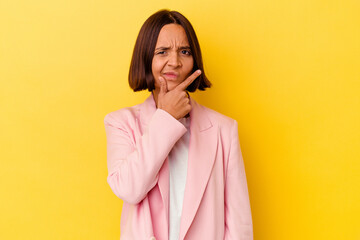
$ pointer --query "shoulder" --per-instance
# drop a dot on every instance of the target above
(123, 115)
(217, 118)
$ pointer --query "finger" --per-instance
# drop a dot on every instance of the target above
(189, 80)
(188, 95)
(163, 85)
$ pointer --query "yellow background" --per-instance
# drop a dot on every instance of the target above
(287, 71)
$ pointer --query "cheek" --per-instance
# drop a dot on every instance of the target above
(188, 66)
(156, 67)
(153, 67)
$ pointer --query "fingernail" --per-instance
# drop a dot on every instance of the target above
(198, 71)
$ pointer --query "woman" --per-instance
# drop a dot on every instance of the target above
(176, 164)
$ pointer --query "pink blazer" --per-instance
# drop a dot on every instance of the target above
(216, 202)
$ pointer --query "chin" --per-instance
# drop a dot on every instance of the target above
(172, 85)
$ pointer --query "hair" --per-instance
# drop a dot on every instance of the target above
(140, 73)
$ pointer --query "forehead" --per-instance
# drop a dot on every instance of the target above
(172, 34)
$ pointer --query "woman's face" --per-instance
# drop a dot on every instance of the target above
(172, 59)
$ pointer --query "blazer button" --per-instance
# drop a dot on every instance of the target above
(152, 238)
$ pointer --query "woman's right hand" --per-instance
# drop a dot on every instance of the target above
(176, 102)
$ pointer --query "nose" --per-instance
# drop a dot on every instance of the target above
(174, 60)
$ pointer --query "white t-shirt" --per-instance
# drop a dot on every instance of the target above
(178, 159)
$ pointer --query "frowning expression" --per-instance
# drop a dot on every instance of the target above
(172, 59)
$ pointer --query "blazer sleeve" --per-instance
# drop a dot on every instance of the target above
(134, 166)
(238, 220)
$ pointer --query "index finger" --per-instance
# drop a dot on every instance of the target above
(189, 80)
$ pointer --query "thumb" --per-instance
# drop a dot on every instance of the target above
(163, 86)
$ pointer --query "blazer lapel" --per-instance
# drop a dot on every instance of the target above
(202, 150)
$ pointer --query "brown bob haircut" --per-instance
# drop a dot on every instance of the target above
(140, 73)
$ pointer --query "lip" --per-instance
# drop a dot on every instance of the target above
(171, 75)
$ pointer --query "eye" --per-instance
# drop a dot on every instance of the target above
(160, 53)
(186, 52)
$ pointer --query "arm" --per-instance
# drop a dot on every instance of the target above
(238, 220)
(133, 167)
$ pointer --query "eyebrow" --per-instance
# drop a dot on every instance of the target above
(167, 48)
